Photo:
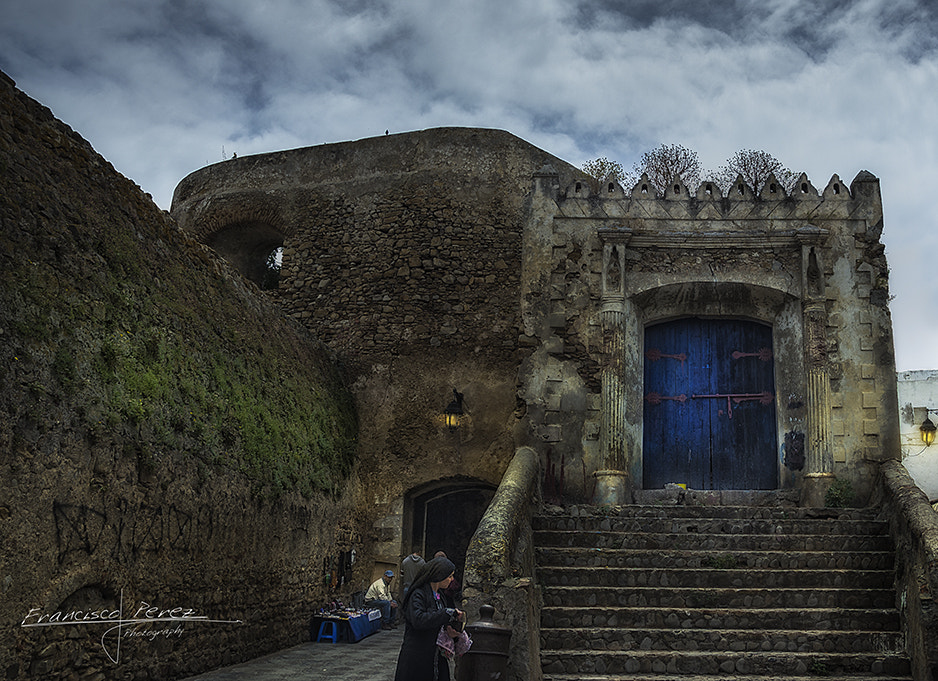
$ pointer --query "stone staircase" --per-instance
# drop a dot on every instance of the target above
(717, 592)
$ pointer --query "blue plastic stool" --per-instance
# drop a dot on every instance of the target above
(333, 636)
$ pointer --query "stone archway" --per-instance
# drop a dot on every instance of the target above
(249, 247)
(443, 516)
(778, 310)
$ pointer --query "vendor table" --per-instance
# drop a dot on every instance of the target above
(352, 627)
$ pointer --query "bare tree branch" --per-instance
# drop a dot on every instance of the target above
(662, 163)
(755, 167)
(601, 169)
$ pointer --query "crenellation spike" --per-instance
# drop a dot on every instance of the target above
(836, 190)
(804, 189)
(740, 191)
(611, 189)
(709, 191)
(676, 190)
(643, 189)
(580, 189)
(772, 189)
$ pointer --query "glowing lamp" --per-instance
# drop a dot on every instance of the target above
(928, 431)
(453, 411)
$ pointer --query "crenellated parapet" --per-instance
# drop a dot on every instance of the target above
(738, 213)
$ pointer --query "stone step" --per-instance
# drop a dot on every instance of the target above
(709, 677)
(785, 665)
(700, 592)
(731, 640)
(714, 578)
(684, 511)
(700, 526)
(675, 597)
(778, 560)
(883, 619)
(702, 542)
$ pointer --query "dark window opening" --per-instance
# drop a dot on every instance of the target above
(255, 249)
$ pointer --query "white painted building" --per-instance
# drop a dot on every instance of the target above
(918, 400)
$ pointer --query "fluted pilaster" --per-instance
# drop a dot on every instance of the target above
(820, 453)
(819, 466)
(613, 395)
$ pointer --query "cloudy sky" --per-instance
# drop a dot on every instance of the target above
(163, 87)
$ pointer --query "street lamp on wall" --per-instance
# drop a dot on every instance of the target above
(453, 411)
(928, 430)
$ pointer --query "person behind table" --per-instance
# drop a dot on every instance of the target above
(425, 614)
(409, 568)
(452, 594)
(379, 596)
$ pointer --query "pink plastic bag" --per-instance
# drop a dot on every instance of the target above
(453, 646)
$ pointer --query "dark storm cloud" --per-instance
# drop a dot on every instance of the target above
(814, 27)
(162, 87)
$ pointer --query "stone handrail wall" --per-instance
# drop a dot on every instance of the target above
(914, 527)
(500, 564)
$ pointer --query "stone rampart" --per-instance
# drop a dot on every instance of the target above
(404, 254)
(150, 453)
(391, 244)
(914, 527)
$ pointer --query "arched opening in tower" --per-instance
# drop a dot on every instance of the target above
(254, 248)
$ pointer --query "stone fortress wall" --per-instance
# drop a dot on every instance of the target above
(106, 514)
(427, 261)
(404, 254)
(455, 257)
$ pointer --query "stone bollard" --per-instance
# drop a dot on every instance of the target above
(487, 659)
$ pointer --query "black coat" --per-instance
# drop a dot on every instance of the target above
(420, 658)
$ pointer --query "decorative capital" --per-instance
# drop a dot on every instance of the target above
(616, 235)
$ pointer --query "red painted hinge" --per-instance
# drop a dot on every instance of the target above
(654, 354)
(764, 354)
(655, 398)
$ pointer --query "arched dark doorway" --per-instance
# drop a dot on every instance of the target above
(709, 405)
(443, 516)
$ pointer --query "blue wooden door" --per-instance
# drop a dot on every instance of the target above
(709, 412)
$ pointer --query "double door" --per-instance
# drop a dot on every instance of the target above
(709, 405)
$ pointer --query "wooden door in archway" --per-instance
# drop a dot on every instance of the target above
(446, 517)
(709, 410)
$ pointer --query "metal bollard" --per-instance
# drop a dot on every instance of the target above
(487, 659)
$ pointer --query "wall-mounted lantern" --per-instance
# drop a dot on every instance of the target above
(928, 430)
(453, 411)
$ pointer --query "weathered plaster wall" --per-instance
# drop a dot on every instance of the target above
(686, 254)
(918, 394)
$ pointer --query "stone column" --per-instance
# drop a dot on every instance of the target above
(819, 465)
(612, 479)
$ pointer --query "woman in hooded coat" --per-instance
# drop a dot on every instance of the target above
(424, 615)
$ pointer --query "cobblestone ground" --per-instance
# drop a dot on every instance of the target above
(372, 659)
